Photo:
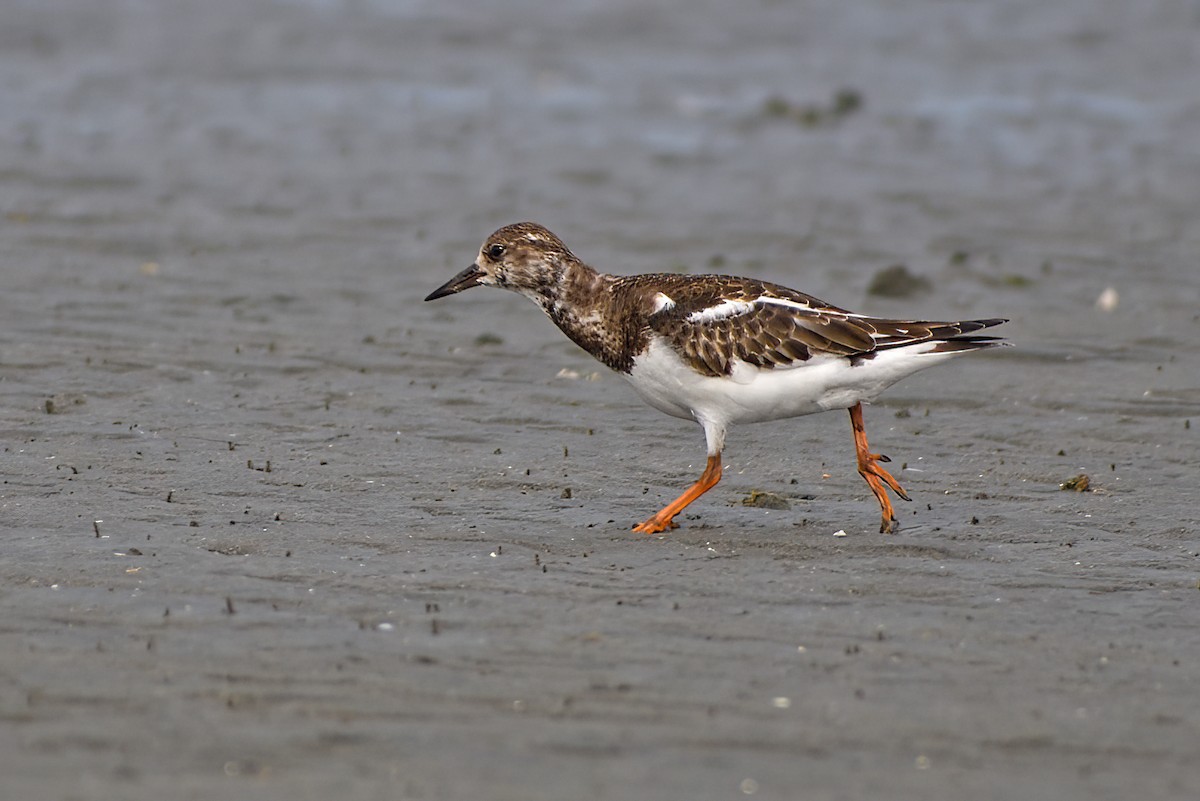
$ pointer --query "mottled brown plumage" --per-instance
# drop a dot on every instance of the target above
(613, 317)
(766, 335)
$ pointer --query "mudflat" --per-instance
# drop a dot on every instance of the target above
(274, 528)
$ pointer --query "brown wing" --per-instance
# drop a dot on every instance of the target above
(716, 319)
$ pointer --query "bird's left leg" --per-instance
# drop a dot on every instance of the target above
(714, 433)
(875, 476)
(663, 520)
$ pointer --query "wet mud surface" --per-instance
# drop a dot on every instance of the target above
(275, 528)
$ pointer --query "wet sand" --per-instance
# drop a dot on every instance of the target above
(274, 528)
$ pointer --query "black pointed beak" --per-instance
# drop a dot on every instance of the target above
(464, 280)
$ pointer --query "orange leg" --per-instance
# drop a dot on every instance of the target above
(875, 476)
(662, 521)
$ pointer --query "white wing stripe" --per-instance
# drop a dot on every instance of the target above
(791, 304)
(726, 308)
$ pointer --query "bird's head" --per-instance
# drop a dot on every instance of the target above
(523, 257)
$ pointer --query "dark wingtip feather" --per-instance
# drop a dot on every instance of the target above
(958, 344)
(967, 326)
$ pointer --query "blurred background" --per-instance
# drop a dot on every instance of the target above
(815, 141)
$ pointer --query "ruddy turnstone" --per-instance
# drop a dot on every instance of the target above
(721, 350)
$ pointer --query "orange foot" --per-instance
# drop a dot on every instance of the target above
(655, 526)
(875, 476)
(664, 520)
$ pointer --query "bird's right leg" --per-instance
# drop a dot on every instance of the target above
(873, 474)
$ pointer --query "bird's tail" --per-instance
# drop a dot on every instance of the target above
(948, 336)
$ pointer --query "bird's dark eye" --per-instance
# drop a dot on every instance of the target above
(495, 251)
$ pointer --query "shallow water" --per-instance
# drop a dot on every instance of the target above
(336, 552)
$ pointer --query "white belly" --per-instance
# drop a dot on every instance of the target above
(752, 394)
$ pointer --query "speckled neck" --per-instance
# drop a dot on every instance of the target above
(584, 305)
